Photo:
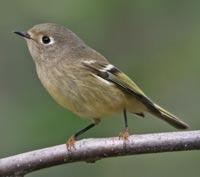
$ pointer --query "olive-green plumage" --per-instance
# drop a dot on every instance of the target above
(82, 80)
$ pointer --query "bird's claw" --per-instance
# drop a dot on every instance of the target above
(71, 143)
(124, 135)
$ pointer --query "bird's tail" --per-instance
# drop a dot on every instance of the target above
(169, 118)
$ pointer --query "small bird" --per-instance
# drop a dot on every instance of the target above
(83, 81)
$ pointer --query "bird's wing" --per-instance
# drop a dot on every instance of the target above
(112, 74)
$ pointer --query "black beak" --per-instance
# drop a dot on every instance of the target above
(23, 34)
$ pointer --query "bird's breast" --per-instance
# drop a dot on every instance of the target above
(82, 93)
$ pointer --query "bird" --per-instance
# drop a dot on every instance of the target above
(83, 81)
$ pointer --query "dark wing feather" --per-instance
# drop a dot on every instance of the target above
(112, 75)
(122, 81)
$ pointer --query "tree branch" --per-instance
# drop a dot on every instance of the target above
(90, 150)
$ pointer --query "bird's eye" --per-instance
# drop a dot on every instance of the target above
(46, 40)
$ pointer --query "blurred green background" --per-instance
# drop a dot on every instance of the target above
(155, 42)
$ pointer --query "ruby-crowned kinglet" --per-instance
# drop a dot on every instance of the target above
(82, 80)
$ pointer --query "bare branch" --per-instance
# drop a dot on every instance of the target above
(90, 150)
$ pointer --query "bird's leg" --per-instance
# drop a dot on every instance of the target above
(125, 134)
(71, 141)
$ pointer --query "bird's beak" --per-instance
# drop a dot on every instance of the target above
(23, 34)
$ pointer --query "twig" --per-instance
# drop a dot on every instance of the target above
(90, 150)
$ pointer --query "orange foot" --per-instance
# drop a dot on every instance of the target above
(124, 135)
(71, 143)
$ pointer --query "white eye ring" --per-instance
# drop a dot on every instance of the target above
(46, 40)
